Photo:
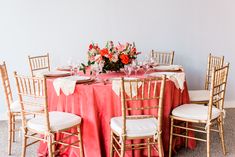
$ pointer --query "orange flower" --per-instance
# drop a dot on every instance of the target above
(124, 59)
(104, 52)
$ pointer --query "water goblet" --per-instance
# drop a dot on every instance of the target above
(127, 70)
(135, 66)
(146, 67)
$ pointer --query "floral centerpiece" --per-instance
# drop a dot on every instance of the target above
(111, 58)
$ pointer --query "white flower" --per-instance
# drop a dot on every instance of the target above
(97, 57)
(93, 52)
(114, 58)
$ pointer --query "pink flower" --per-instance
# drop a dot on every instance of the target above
(121, 47)
(114, 58)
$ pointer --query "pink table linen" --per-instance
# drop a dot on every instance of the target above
(97, 104)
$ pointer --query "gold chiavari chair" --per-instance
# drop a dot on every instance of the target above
(32, 92)
(209, 116)
(13, 107)
(39, 64)
(203, 96)
(131, 126)
(163, 58)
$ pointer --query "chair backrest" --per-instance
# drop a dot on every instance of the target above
(148, 98)
(163, 58)
(32, 93)
(39, 63)
(213, 61)
(6, 85)
(218, 87)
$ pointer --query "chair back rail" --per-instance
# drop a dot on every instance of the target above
(32, 92)
(213, 61)
(148, 90)
(6, 85)
(39, 63)
(164, 58)
(217, 94)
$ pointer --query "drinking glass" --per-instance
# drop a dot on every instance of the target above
(146, 66)
(134, 65)
(76, 67)
(127, 70)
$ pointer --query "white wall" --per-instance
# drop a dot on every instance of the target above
(192, 28)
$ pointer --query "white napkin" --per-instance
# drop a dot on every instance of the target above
(116, 86)
(66, 85)
(169, 67)
(177, 77)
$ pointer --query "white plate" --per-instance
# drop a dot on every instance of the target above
(64, 68)
(159, 74)
(79, 79)
(130, 78)
(125, 78)
(168, 67)
(56, 73)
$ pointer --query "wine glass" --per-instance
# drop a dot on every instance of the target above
(76, 66)
(134, 65)
(71, 64)
(152, 60)
(146, 66)
(127, 70)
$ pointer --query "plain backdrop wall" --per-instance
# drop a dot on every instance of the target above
(193, 28)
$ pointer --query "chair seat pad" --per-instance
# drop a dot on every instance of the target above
(199, 95)
(195, 112)
(135, 127)
(58, 121)
(16, 107)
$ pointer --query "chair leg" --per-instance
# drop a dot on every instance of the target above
(80, 140)
(208, 141)
(13, 128)
(171, 136)
(160, 146)
(149, 148)
(53, 145)
(221, 132)
(111, 144)
(24, 143)
(9, 133)
(50, 149)
(186, 139)
(123, 146)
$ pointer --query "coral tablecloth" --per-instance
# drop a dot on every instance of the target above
(97, 104)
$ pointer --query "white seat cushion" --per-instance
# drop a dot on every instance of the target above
(16, 107)
(58, 121)
(195, 112)
(135, 127)
(199, 95)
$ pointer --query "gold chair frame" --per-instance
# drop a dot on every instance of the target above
(213, 62)
(163, 58)
(9, 100)
(29, 89)
(39, 63)
(151, 85)
(217, 95)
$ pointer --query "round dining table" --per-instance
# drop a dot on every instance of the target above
(97, 103)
